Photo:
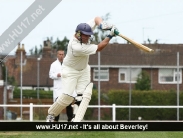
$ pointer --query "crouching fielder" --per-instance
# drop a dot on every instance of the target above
(75, 68)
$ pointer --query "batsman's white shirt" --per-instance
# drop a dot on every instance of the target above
(75, 70)
(56, 68)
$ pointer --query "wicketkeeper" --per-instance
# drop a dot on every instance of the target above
(75, 68)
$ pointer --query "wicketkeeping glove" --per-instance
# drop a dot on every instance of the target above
(105, 26)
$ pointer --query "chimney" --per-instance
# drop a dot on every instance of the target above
(18, 54)
(47, 49)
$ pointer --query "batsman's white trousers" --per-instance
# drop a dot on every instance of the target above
(75, 80)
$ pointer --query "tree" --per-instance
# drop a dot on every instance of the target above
(36, 51)
(143, 81)
(61, 44)
(58, 44)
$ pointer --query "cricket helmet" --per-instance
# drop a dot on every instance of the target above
(84, 28)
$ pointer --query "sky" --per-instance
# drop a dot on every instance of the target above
(139, 20)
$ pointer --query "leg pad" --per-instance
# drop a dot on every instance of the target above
(62, 101)
(84, 103)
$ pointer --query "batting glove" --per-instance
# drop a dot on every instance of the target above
(112, 33)
(105, 26)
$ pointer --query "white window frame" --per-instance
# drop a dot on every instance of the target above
(125, 78)
(126, 71)
(1, 82)
(102, 72)
(173, 75)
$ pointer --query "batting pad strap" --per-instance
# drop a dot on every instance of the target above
(78, 98)
(84, 103)
(62, 101)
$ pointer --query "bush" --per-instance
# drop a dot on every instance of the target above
(143, 81)
(145, 98)
(92, 113)
(121, 97)
(33, 93)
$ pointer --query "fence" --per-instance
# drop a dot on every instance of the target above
(113, 106)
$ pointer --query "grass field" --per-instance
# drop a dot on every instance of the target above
(93, 134)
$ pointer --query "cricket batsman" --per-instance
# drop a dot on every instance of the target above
(76, 71)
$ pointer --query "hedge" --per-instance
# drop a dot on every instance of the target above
(121, 97)
(33, 93)
(146, 98)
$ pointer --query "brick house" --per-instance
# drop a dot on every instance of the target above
(1, 93)
(31, 67)
(5, 89)
(120, 65)
(120, 61)
(29, 74)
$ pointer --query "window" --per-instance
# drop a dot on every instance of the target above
(122, 76)
(128, 74)
(170, 76)
(104, 74)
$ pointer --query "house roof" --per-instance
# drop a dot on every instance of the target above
(114, 55)
(128, 54)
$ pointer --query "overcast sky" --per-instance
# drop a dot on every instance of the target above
(136, 19)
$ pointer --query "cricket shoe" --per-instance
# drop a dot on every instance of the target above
(50, 118)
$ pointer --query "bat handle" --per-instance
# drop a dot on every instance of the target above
(116, 32)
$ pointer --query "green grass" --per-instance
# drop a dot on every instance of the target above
(93, 134)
